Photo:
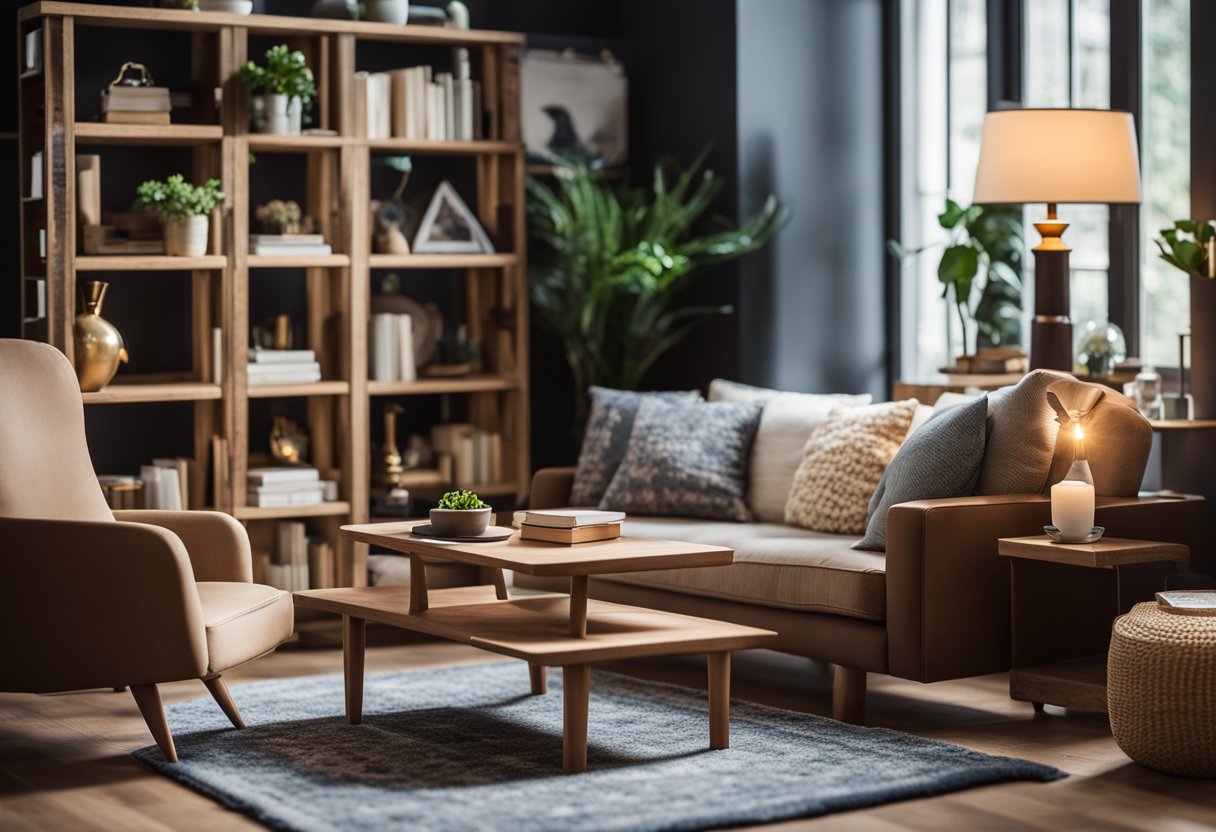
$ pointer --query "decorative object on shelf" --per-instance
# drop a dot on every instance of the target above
(1146, 393)
(133, 98)
(448, 226)
(460, 514)
(1100, 348)
(1181, 405)
(1197, 257)
(280, 91)
(387, 347)
(279, 217)
(288, 441)
(387, 11)
(457, 356)
(336, 9)
(388, 216)
(574, 108)
(98, 347)
(32, 56)
(185, 5)
(1054, 156)
(981, 274)
(458, 15)
(185, 210)
(611, 304)
(226, 6)
(1161, 671)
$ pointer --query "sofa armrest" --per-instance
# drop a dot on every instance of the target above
(948, 590)
(217, 543)
(95, 604)
(551, 487)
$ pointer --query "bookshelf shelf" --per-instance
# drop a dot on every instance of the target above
(424, 147)
(321, 261)
(103, 133)
(443, 261)
(334, 509)
(433, 386)
(147, 263)
(315, 388)
(121, 393)
(265, 143)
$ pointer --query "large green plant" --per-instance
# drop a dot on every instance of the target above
(612, 261)
(980, 269)
(285, 73)
(1188, 255)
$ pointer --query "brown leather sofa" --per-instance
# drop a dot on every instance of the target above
(934, 606)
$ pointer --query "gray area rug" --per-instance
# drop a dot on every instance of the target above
(466, 748)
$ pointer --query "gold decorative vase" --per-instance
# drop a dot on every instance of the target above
(98, 343)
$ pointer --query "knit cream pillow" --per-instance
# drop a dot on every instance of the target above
(843, 462)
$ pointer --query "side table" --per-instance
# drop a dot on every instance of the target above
(1065, 596)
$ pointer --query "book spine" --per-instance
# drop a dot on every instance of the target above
(404, 336)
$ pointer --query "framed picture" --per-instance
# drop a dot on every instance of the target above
(575, 106)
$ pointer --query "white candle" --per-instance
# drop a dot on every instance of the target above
(1072, 508)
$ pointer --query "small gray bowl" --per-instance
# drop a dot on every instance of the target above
(463, 522)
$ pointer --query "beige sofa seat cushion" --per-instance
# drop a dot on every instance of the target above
(243, 621)
(775, 565)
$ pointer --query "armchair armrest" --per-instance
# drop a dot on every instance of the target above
(217, 543)
(551, 487)
(91, 604)
(948, 590)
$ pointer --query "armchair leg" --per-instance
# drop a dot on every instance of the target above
(147, 697)
(219, 692)
(849, 695)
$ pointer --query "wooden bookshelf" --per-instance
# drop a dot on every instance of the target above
(342, 408)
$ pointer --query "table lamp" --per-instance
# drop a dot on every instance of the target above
(1054, 156)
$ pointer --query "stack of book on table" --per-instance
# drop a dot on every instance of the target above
(280, 487)
(571, 525)
(289, 245)
(283, 367)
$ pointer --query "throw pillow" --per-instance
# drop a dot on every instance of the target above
(785, 425)
(842, 463)
(1021, 436)
(946, 400)
(942, 459)
(607, 436)
(688, 460)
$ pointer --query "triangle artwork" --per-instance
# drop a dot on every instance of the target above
(449, 227)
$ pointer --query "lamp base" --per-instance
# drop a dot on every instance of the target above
(1051, 330)
(1051, 343)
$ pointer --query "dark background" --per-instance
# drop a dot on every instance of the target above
(789, 93)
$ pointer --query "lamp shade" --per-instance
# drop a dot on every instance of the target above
(1058, 156)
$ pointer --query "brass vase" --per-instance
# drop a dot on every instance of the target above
(98, 343)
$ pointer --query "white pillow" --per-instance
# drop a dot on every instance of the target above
(785, 425)
(946, 400)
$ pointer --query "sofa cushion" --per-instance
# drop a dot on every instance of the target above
(687, 460)
(1022, 431)
(243, 621)
(785, 425)
(842, 463)
(775, 566)
(607, 437)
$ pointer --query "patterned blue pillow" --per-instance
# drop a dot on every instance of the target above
(687, 460)
(607, 436)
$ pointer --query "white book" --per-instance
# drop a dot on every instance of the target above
(260, 356)
(406, 365)
(379, 105)
(162, 488)
(287, 239)
(422, 85)
(263, 250)
(400, 101)
(260, 369)
(36, 175)
(465, 463)
(289, 498)
(289, 487)
(572, 518)
(464, 110)
(277, 575)
(217, 355)
(300, 377)
(384, 353)
(449, 105)
(434, 111)
(265, 476)
(414, 115)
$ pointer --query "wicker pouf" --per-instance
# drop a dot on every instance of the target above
(1161, 688)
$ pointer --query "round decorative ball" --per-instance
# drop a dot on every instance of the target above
(1100, 346)
(1161, 688)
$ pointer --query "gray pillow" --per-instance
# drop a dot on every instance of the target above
(687, 460)
(1021, 437)
(607, 436)
(942, 459)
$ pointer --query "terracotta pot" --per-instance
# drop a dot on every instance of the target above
(451, 522)
(98, 347)
(1203, 347)
(187, 238)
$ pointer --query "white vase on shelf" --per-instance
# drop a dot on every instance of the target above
(187, 238)
(279, 115)
(388, 11)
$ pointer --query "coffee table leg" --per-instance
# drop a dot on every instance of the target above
(418, 595)
(539, 678)
(354, 640)
(576, 690)
(578, 606)
(500, 585)
(719, 700)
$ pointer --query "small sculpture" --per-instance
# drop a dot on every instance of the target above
(98, 345)
(288, 441)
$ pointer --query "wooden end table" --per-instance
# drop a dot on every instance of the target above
(1064, 599)
(552, 630)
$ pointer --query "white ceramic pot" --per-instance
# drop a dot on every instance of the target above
(467, 522)
(279, 115)
(187, 238)
(389, 11)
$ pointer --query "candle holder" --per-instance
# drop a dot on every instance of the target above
(1072, 498)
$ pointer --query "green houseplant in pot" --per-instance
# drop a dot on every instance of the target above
(185, 211)
(279, 91)
(1190, 246)
(460, 514)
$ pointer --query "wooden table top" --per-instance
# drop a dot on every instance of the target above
(1106, 553)
(534, 557)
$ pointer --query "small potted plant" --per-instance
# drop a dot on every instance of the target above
(279, 217)
(460, 514)
(185, 211)
(279, 91)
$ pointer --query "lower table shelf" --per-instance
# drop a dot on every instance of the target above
(1074, 683)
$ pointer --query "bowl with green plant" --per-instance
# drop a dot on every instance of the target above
(184, 210)
(460, 514)
(279, 90)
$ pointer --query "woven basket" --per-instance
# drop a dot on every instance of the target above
(1161, 689)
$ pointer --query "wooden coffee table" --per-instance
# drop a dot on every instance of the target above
(552, 630)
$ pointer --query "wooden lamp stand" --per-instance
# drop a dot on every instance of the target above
(1051, 330)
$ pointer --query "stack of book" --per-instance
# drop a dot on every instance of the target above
(136, 105)
(289, 245)
(279, 487)
(571, 526)
(475, 455)
(391, 352)
(166, 484)
(420, 103)
(283, 367)
(288, 567)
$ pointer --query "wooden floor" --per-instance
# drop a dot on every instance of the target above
(65, 764)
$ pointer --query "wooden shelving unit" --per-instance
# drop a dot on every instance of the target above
(341, 408)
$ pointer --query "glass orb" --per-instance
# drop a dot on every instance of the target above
(1099, 348)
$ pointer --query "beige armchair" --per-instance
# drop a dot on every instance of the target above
(93, 598)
